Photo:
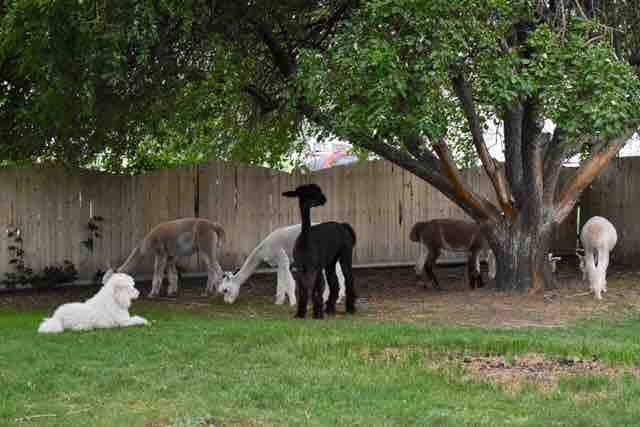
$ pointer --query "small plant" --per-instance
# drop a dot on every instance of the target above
(93, 228)
(53, 275)
(21, 274)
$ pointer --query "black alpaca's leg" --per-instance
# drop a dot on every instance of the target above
(303, 294)
(316, 296)
(332, 281)
(346, 263)
(428, 268)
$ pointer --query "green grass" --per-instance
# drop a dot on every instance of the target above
(186, 368)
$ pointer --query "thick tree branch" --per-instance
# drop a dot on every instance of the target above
(534, 172)
(281, 57)
(414, 145)
(463, 91)
(635, 58)
(462, 193)
(533, 145)
(512, 120)
(321, 29)
(559, 151)
(426, 166)
(263, 100)
(587, 173)
(552, 167)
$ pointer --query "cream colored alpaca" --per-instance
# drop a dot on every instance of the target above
(598, 237)
(276, 250)
(179, 238)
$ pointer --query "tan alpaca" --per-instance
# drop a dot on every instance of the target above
(179, 238)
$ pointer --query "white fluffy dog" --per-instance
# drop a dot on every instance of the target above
(109, 308)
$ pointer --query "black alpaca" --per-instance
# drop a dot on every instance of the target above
(320, 247)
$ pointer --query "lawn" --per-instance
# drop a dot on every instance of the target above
(200, 367)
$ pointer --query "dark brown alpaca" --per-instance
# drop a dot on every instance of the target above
(452, 235)
(317, 248)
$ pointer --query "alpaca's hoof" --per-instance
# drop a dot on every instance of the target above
(300, 316)
(331, 311)
(279, 301)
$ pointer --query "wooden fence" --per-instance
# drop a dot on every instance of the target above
(52, 206)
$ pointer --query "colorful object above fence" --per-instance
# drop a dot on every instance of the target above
(329, 159)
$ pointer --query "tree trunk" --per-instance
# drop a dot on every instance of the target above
(521, 250)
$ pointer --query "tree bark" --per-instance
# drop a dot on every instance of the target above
(521, 249)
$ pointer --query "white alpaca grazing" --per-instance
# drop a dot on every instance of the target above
(276, 250)
(109, 308)
(598, 237)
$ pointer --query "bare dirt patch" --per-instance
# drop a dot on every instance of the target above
(510, 373)
(396, 295)
(534, 369)
(392, 294)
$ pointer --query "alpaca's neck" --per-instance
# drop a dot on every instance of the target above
(305, 215)
(132, 260)
(250, 264)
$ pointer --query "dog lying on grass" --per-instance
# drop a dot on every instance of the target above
(109, 308)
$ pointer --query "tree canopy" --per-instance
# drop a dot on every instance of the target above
(414, 81)
(155, 83)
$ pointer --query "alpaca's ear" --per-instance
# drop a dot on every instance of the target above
(290, 194)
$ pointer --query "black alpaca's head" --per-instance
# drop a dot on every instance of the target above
(310, 194)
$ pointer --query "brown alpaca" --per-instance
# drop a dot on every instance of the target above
(179, 238)
(452, 235)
